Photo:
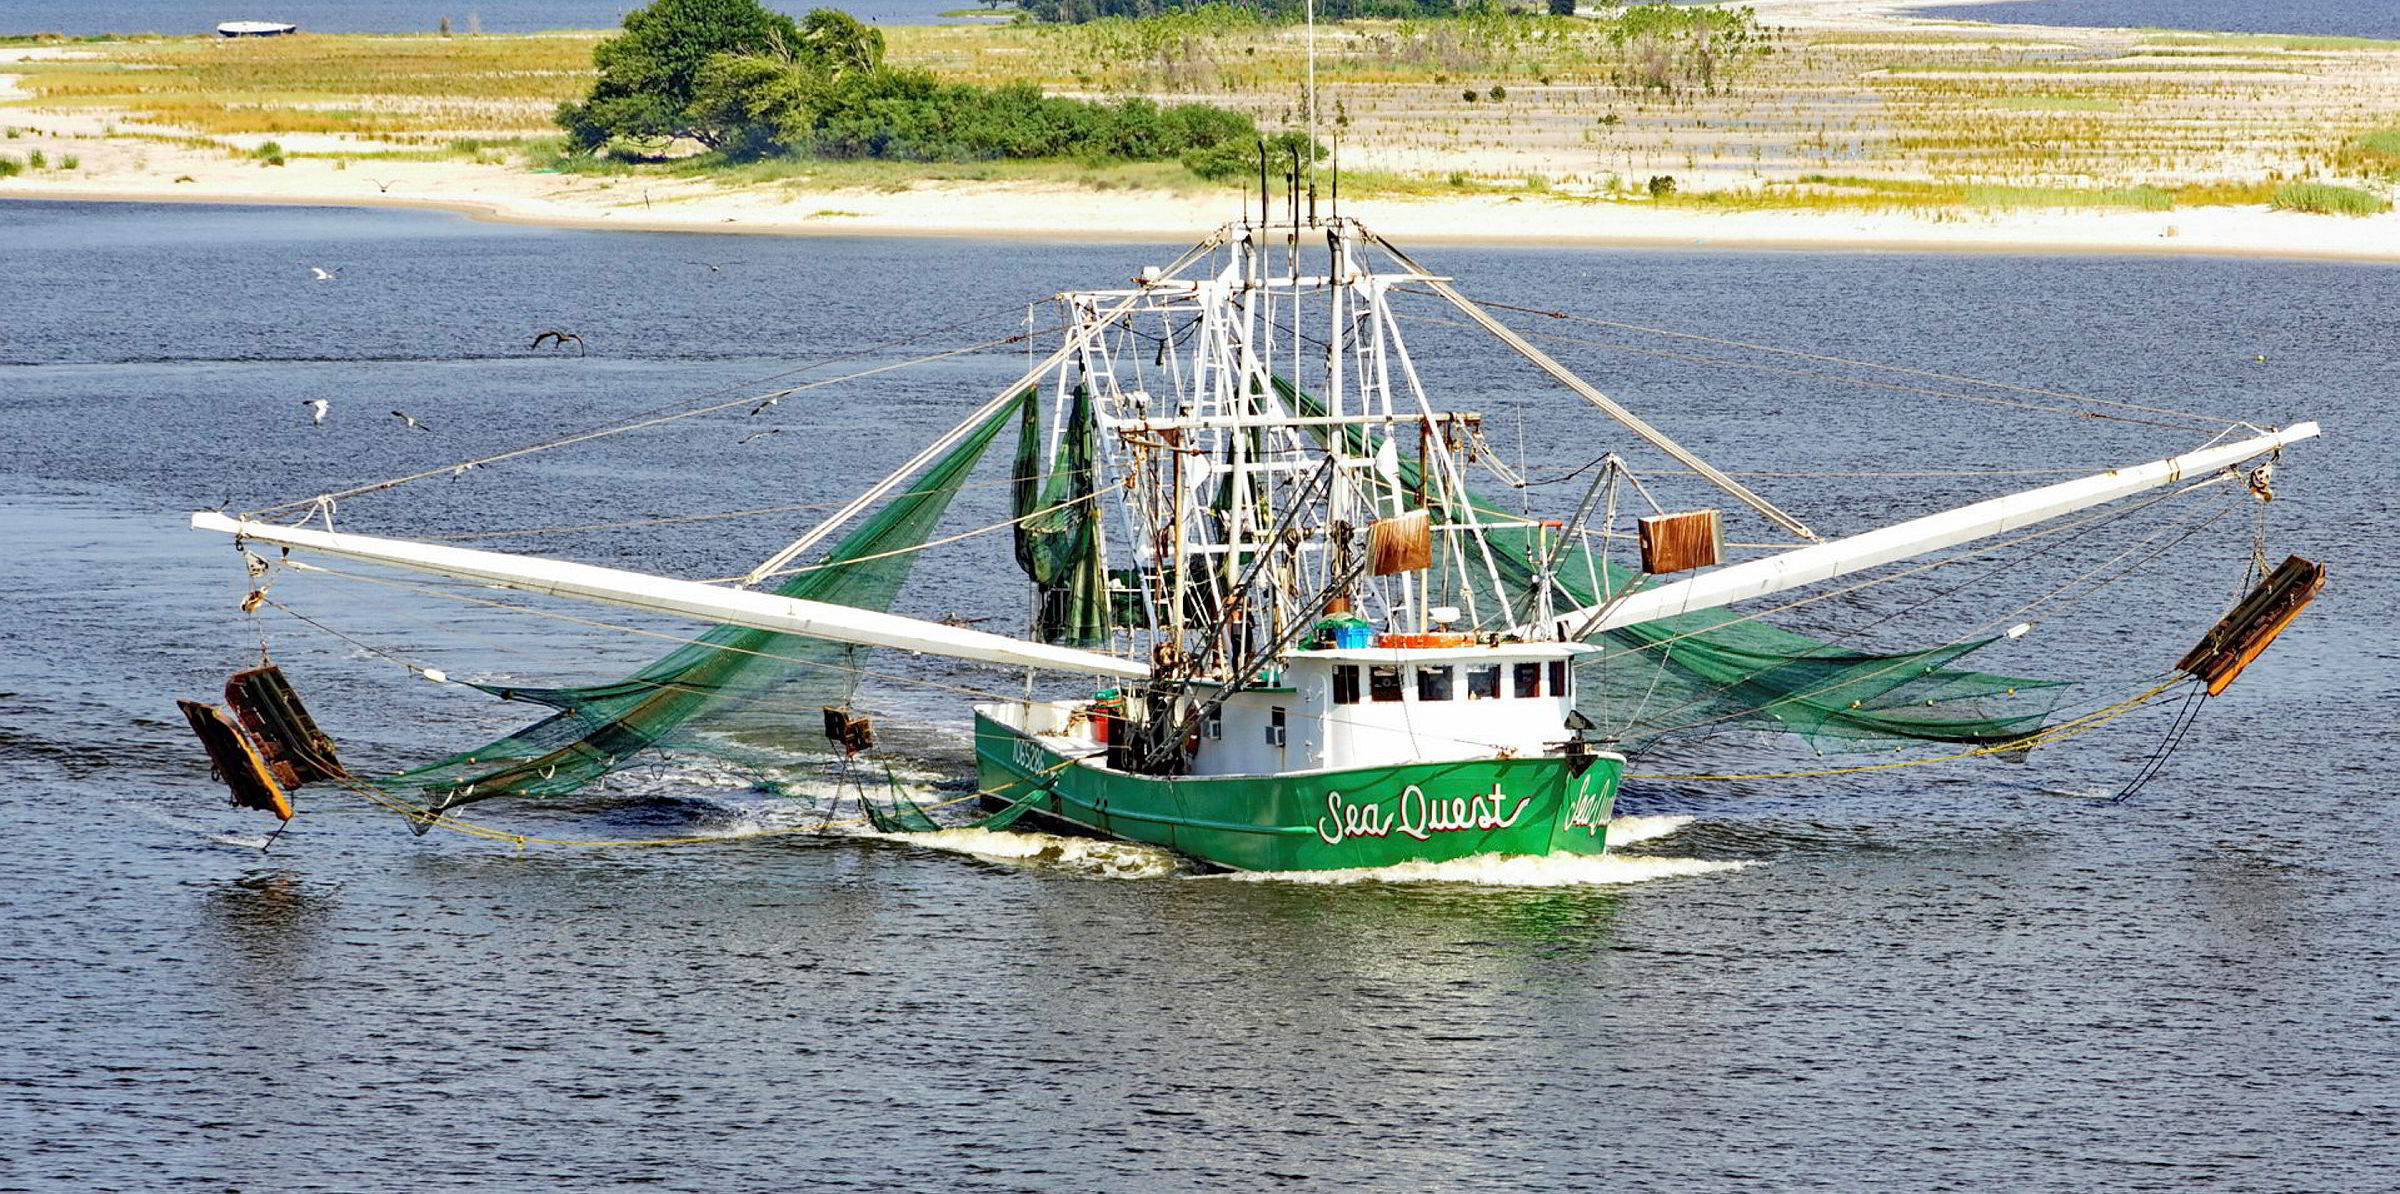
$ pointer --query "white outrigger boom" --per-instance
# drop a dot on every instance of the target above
(1900, 541)
(683, 598)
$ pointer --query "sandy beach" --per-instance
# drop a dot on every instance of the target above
(162, 167)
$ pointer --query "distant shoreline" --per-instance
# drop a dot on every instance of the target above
(2235, 233)
(91, 162)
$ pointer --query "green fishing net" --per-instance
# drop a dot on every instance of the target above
(600, 728)
(1715, 670)
(1058, 528)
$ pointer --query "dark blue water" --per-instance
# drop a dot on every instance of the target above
(2327, 18)
(1951, 978)
(174, 17)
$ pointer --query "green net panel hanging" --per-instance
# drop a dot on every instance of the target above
(1716, 670)
(601, 728)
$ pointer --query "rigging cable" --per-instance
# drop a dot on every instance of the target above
(657, 415)
(1828, 358)
(1818, 375)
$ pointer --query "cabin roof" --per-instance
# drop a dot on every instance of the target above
(1472, 653)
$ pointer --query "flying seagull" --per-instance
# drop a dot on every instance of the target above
(558, 339)
(711, 266)
(321, 274)
(755, 434)
(316, 409)
(410, 420)
(761, 408)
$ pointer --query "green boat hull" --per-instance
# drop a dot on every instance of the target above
(1318, 820)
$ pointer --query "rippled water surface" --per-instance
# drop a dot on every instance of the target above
(1959, 977)
(2324, 18)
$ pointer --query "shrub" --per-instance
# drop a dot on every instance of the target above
(825, 92)
(1662, 185)
(70, 162)
(1499, 92)
(9, 166)
(2326, 199)
(650, 75)
(1468, 95)
(37, 160)
(1238, 158)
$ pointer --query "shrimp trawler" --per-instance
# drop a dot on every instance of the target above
(1301, 631)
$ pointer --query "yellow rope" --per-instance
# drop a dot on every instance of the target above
(2057, 733)
(521, 840)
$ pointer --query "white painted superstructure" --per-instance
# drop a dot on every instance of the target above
(1372, 706)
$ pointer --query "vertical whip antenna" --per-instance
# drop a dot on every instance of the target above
(1310, 101)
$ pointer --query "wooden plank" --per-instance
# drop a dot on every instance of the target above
(2242, 636)
(1681, 542)
(1401, 544)
(235, 761)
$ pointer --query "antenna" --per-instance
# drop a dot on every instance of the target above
(1311, 103)
(1262, 183)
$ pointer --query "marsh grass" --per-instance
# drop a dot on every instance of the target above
(888, 176)
(2054, 103)
(2095, 67)
(2290, 43)
(2327, 199)
(1995, 120)
(1851, 193)
(2375, 155)
(358, 84)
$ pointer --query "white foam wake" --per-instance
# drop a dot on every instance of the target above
(1089, 856)
(1625, 831)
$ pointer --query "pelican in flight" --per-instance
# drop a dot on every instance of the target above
(761, 408)
(321, 274)
(558, 339)
(316, 409)
(755, 434)
(410, 420)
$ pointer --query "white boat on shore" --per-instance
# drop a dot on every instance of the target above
(256, 28)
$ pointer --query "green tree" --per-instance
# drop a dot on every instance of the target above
(650, 74)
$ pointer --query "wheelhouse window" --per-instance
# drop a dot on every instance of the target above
(1483, 682)
(1434, 683)
(1345, 684)
(1562, 678)
(1215, 722)
(1275, 729)
(1383, 681)
(1528, 678)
